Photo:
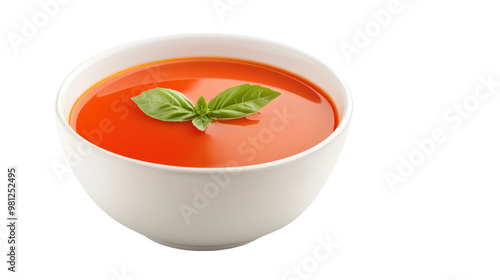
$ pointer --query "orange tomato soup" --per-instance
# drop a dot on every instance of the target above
(301, 117)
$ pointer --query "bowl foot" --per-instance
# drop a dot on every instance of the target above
(201, 248)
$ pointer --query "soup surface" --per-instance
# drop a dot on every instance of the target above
(301, 117)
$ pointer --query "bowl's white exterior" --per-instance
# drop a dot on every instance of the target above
(201, 208)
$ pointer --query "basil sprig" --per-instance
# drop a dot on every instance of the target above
(233, 103)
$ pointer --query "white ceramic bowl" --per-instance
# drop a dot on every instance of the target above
(201, 208)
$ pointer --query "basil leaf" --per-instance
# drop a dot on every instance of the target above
(201, 122)
(166, 105)
(239, 101)
(201, 106)
(233, 103)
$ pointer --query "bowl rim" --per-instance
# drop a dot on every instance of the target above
(345, 119)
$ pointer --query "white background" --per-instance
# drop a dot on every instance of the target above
(442, 222)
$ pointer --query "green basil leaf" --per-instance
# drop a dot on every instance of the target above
(166, 105)
(201, 122)
(233, 103)
(239, 101)
(201, 106)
